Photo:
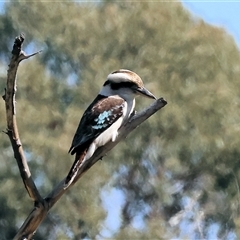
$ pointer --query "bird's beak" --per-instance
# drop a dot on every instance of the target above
(143, 91)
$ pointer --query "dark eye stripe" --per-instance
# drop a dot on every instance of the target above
(116, 86)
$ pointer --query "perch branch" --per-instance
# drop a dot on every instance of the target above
(42, 206)
(38, 214)
(135, 121)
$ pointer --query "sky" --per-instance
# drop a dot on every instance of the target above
(220, 13)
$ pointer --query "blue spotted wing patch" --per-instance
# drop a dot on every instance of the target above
(108, 117)
(99, 116)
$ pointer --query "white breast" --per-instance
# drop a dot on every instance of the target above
(112, 132)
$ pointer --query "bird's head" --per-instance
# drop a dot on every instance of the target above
(126, 84)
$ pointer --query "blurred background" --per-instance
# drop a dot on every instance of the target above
(177, 176)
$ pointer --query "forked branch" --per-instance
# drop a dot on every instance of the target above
(43, 205)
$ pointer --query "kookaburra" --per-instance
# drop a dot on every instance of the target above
(103, 118)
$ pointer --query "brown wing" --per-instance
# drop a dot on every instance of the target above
(99, 116)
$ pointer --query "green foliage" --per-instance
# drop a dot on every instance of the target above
(181, 162)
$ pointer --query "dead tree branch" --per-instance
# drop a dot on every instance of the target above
(43, 205)
(12, 130)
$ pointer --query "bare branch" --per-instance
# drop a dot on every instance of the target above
(23, 55)
(12, 129)
(60, 189)
(32, 222)
(135, 121)
(42, 206)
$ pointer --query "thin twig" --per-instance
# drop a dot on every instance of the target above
(23, 55)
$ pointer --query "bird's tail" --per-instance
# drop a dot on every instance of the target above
(79, 157)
